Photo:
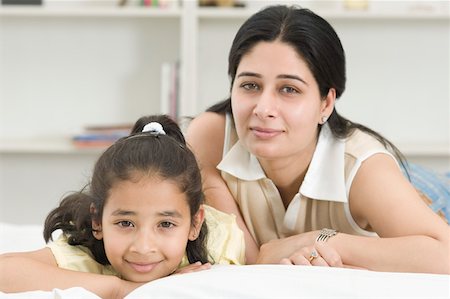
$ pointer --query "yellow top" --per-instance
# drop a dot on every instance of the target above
(225, 245)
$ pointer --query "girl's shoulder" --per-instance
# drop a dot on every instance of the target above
(225, 241)
(213, 215)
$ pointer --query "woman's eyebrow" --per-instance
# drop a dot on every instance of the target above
(282, 76)
(294, 77)
(249, 74)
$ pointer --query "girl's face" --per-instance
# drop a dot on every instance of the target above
(276, 102)
(145, 227)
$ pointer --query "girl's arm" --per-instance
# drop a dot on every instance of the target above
(37, 270)
(413, 237)
(205, 135)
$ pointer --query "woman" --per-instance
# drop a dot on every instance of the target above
(279, 156)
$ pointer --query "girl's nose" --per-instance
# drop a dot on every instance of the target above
(144, 243)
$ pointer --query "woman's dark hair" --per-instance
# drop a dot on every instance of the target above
(139, 154)
(316, 42)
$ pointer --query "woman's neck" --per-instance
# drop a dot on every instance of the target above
(288, 173)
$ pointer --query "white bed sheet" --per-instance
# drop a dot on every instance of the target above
(255, 281)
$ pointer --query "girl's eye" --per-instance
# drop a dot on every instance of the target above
(125, 223)
(288, 89)
(166, 224)
(250, 86)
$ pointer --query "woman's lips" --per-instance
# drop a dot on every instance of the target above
(265, 133)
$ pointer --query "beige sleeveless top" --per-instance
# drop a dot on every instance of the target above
(322, 200)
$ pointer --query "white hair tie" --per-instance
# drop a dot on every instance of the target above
(154, 128)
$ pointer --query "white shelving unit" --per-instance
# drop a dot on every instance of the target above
(62, 68)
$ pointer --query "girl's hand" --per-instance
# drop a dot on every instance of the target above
(320, 254)
(122, 288)
(197, 266)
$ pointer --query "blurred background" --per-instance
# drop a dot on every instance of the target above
(74, 74)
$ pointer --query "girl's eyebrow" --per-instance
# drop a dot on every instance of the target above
(171, 213)
(282, 76)
(120, 212)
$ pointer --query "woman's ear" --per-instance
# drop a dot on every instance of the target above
(197, 224)
(327, 105)
(96, 224)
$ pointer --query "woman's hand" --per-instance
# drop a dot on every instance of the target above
(274, 251)
(320, 254)
(198, 266)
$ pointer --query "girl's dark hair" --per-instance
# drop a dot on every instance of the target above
(141, 153)
(316, 42)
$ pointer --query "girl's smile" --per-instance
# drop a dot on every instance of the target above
(146, 225)
(143, 267)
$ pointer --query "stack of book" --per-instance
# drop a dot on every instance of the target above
(101, 136)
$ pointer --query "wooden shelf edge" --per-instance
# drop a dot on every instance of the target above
(61, 145)
(113, 11)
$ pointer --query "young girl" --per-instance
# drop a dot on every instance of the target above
(141, 218)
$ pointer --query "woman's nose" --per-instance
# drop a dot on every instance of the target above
(267, 105)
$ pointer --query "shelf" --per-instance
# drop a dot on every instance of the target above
(113, 11)
(231, 13)
(435, 12)
(45, 145)
(63, 145)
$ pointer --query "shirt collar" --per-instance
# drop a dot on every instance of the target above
(324, 180)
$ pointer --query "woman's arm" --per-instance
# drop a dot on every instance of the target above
(205, 135)
(412, 237)
(37, 270)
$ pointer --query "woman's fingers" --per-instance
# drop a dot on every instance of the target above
(329, 254)
(299, 258)
(306, 256)
(321, 254)
(315, 259)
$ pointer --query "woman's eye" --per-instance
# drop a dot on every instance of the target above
(125, 223)
(166, 224)
(288, 89)
(250, 86)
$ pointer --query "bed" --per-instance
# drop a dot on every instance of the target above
(253, 281)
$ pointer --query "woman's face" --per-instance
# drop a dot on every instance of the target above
(145, 228)
(276, 102)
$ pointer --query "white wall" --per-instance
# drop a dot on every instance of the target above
(397, 69)
(60, 73)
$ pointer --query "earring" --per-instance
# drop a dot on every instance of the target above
(324, 119)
